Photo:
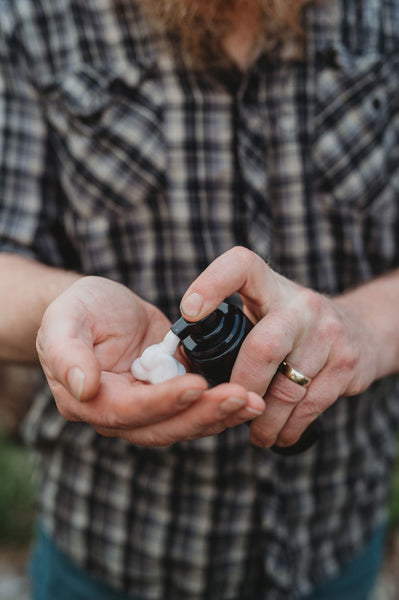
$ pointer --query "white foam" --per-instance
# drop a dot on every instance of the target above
(157, 363)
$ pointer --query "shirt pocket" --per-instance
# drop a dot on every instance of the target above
(356, 146)
(107, 132)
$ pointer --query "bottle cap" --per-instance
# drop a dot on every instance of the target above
(200, 330)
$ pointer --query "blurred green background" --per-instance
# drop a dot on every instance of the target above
(17, 493)
(17, 487)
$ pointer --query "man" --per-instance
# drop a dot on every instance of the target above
(153, 153)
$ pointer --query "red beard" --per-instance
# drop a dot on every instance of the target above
(202, 25)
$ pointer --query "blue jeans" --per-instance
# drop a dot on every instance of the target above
(55, 577)
(357, 579)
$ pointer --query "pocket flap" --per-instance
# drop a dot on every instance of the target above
(356, 126)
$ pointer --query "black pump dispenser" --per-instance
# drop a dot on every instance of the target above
(212, 345)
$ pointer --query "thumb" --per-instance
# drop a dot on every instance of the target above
(66, 352)
(78, 370)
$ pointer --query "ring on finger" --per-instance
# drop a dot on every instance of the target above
(294, 375)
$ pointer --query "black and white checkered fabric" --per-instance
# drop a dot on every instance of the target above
(118, 159)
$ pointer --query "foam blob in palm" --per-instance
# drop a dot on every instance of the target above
(157, 363)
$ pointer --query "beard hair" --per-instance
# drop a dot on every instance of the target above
(200, 26)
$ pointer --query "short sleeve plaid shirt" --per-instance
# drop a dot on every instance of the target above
(119, 160)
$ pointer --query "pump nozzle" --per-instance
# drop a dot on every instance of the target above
(203, 328)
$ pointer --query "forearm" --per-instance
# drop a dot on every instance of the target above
(28, 288)
(376, 305)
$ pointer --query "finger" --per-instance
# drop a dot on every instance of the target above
(292, 331)
(178, 429)
(253, 409)
(324, 390)
(216, 410)
(237, 270)
(123, 403)
(284, 395)
(262, 351)
(298, 422)
(226, 405)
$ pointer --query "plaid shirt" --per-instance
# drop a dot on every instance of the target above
(120, 160)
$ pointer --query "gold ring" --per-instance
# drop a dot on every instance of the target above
(294, 375)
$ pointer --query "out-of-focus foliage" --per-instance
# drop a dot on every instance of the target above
(17, 493)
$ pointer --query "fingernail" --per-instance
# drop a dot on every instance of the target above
(257, 404)
(282, 444)
(192, 305)
(255, 412)
(231, 405)
(76, 380)
(190, 396)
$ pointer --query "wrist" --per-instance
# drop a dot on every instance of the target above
(373, 309)
(32, 286)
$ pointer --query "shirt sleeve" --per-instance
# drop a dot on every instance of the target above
(30, 221)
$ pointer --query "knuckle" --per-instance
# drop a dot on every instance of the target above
(261, 346)
(113, 418)
(235, 420)
(265, 349)
(309, 410)
(115, 421)
(243, 255)
(146, 439)
(332, 329)
(150, 437)
(205, 423)
(282, 390)
(205, 431)
(159, 441)
(345, 361)
(312, 302)
(355, 387)
(349, 358)
(213, 429)
(351, 382)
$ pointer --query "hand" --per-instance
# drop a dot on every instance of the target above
(87, 341)
(322, 338)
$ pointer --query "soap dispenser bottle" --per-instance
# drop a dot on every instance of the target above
(211, 346)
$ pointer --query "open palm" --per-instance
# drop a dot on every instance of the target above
(89, 337)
